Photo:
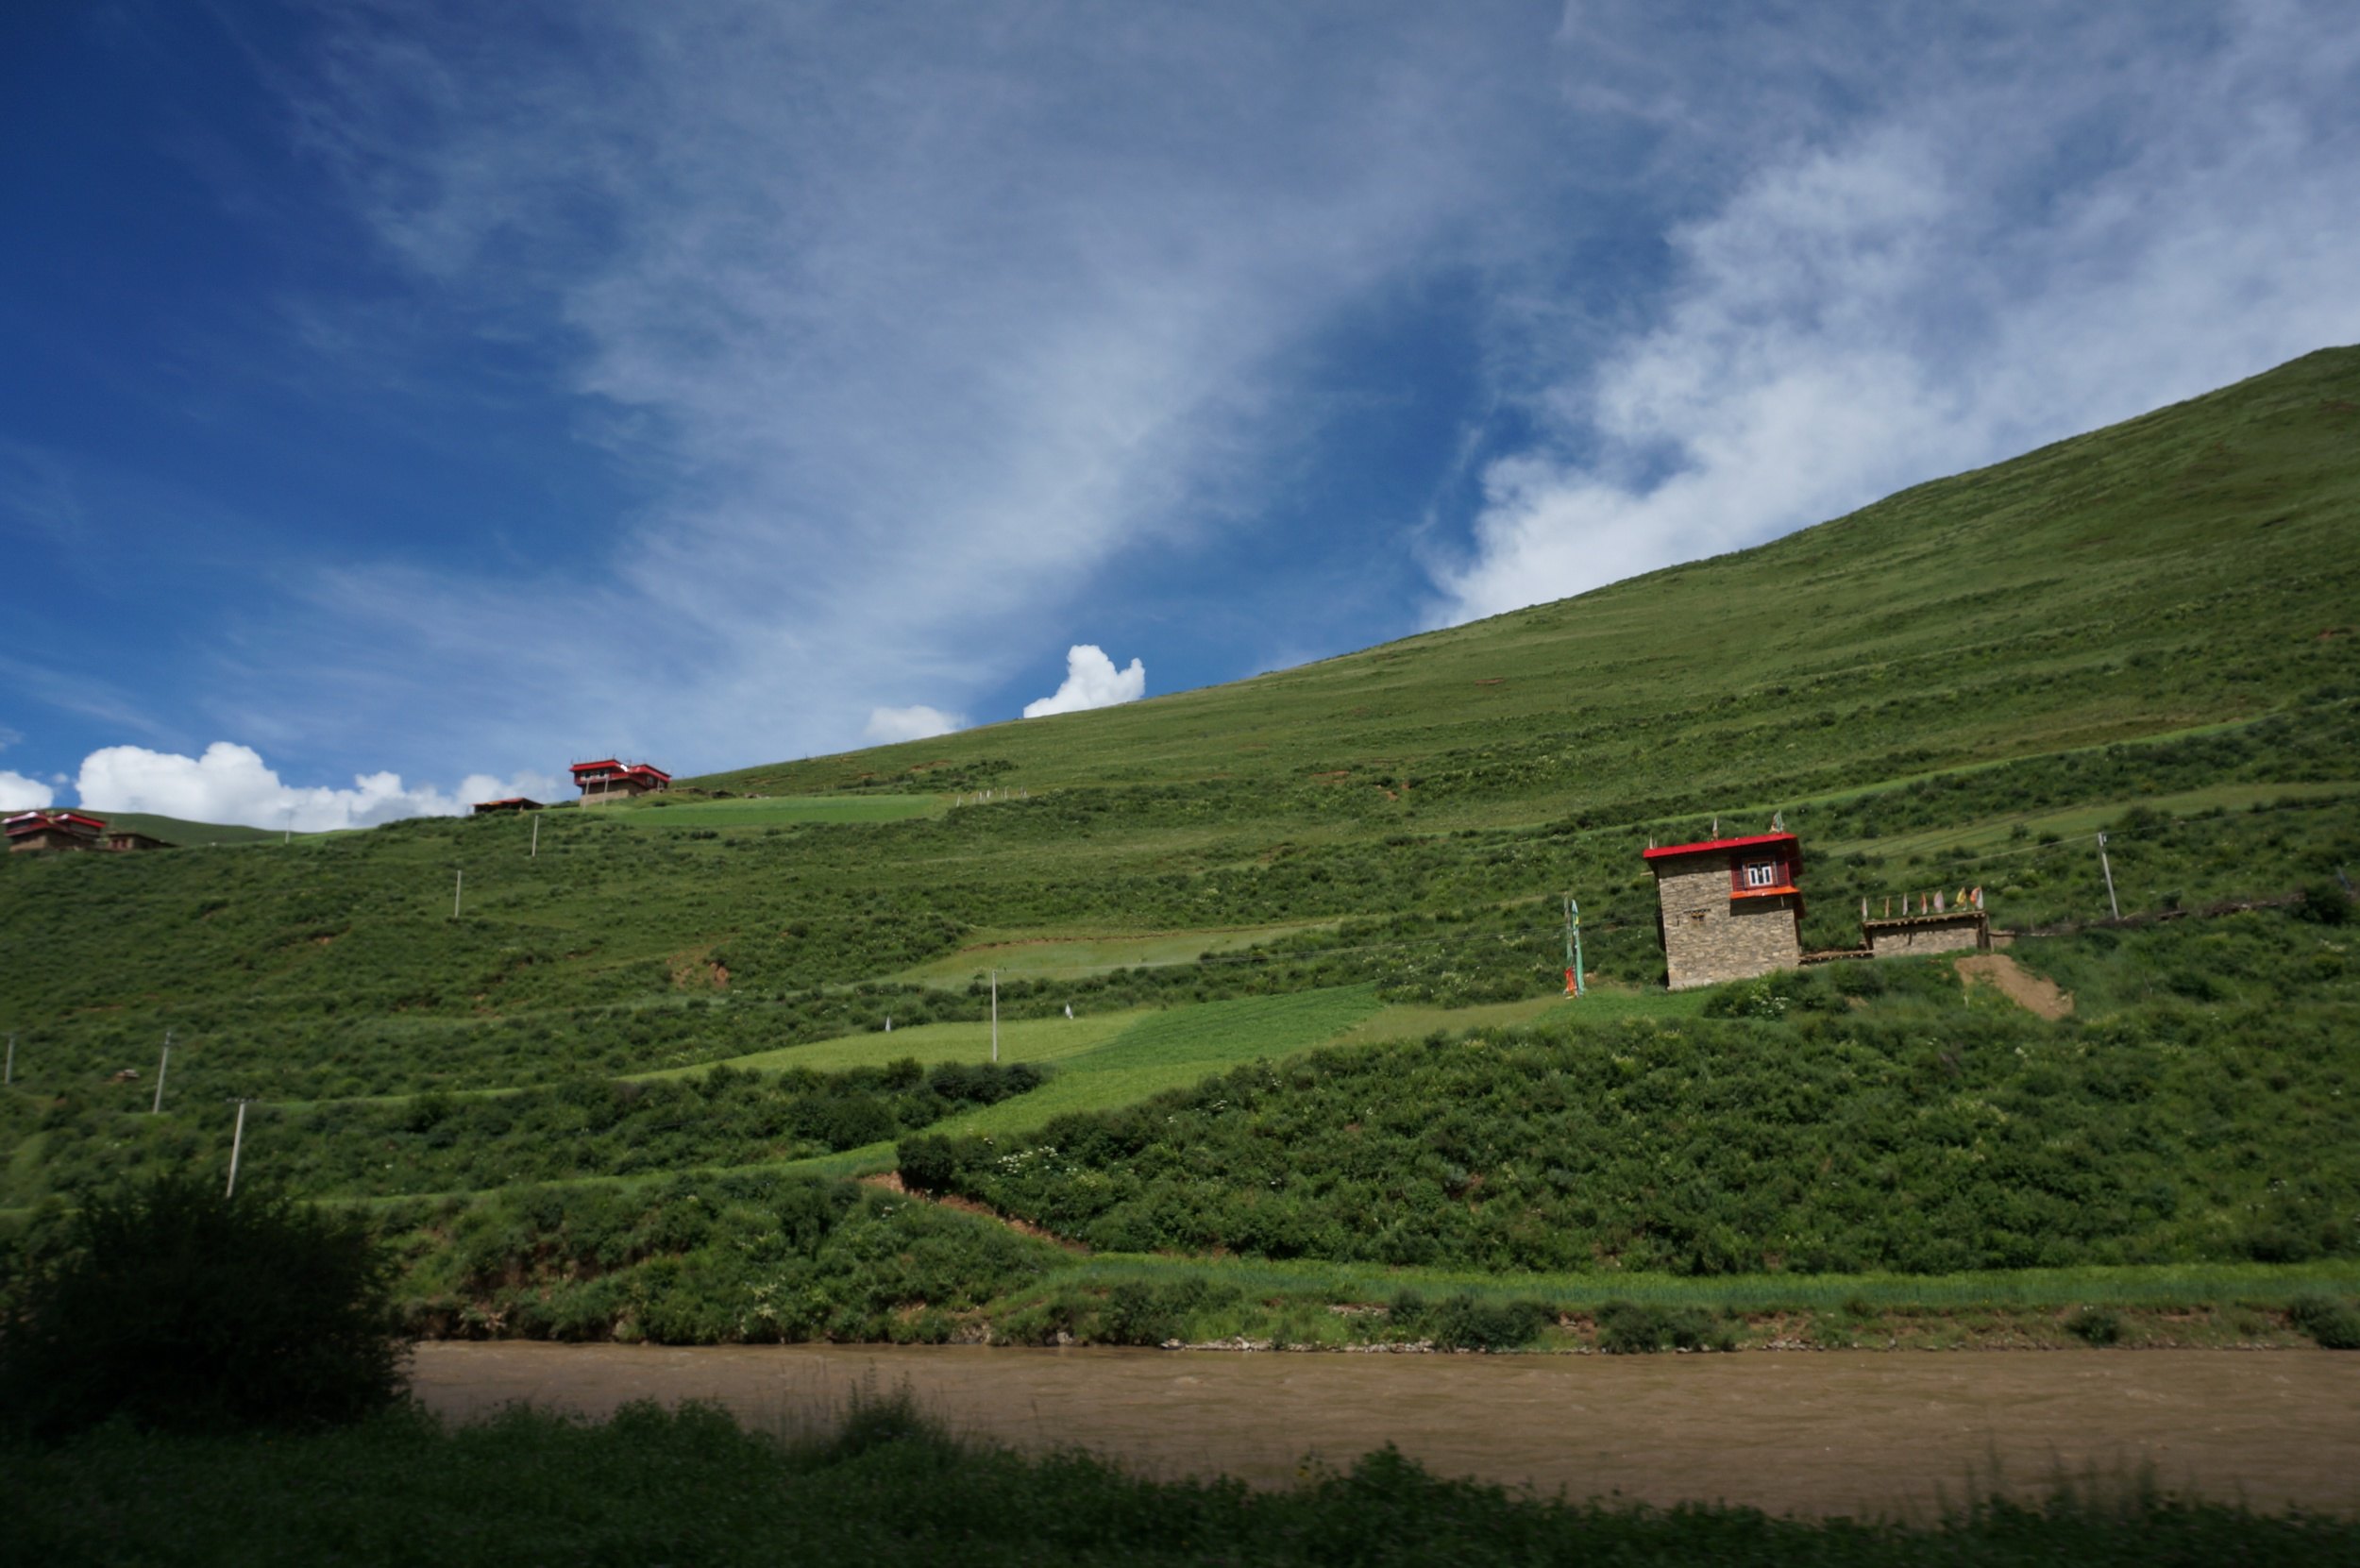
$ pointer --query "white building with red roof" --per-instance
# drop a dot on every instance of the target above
(54, 829)
(611, 779)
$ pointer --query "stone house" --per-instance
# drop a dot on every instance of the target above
(1956, 930)
(1729, 908)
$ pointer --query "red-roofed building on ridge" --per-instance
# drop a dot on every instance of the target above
(54, 829)
(609, 779)
(1729, 908)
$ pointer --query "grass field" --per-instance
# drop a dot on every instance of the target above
(777, 811)
(1049, 1039)
(1045, 956)
(2148, 630)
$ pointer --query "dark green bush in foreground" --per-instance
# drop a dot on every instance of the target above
(183, 1309)
(887, 1487)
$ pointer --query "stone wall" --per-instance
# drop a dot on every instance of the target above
(1963, 930)
(1709, 937)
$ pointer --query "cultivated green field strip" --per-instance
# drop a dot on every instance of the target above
(1166, 1050)
(1019, 955)
(1172, 1049)
(1047, 1040)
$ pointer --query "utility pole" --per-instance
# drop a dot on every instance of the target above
(457, 881)
(1575, 986)
(2107, 867)
(995, 1015)
(536, 837)
(237, 1141)
(160, 1066)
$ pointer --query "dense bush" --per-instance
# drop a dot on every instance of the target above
(2098, 1325)
(752, 1257)
(179, 1308)
(1464, 1321)
(1885, 1137)
(587, 1127)
(1632, 1328)
(2334, 1322)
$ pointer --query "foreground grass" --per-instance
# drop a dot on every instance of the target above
(885, 1486)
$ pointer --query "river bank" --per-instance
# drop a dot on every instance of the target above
(1836, 1433)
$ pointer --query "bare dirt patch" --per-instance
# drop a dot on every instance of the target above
(2026, 990)
(891, 1181)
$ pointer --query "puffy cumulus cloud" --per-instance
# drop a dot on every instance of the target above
(232, 784)
(19, 793)
(1091, 681)
(886, 725)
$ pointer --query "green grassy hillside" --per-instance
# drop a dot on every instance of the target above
(2148, 630)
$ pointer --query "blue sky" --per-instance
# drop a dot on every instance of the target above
(401, 400)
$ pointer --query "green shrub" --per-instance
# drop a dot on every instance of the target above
(1142, 1312)
(186, 1310)
(927, 1163)
(1466, 1322)
(2098, 1325)
(2324, 903)
(2332, 1321)
(1628, 1328)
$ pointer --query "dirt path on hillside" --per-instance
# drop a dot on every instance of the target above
(1837, 1432)
(2019, 985)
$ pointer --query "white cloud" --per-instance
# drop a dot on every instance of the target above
(231, 784)
(886, 725)
(1091, 681)
(909, 326)
(19, 793)
(1999, 259)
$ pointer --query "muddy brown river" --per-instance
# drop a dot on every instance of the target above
(1859, 1433)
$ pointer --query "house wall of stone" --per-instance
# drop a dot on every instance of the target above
(1709, 937)
(1967, 934)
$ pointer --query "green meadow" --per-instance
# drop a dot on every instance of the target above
(605, 1073)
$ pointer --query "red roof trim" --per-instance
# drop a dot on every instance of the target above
(1717, 844)
(68, 820)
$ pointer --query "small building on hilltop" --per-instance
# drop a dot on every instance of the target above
(1729, 908)
(515, 803)
(54, 829)
(609, 779)
(1952, 931)
(128, 841)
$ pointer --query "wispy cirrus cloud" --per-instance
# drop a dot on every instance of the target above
(738, 379)
(2017, 240)
(908, 327)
